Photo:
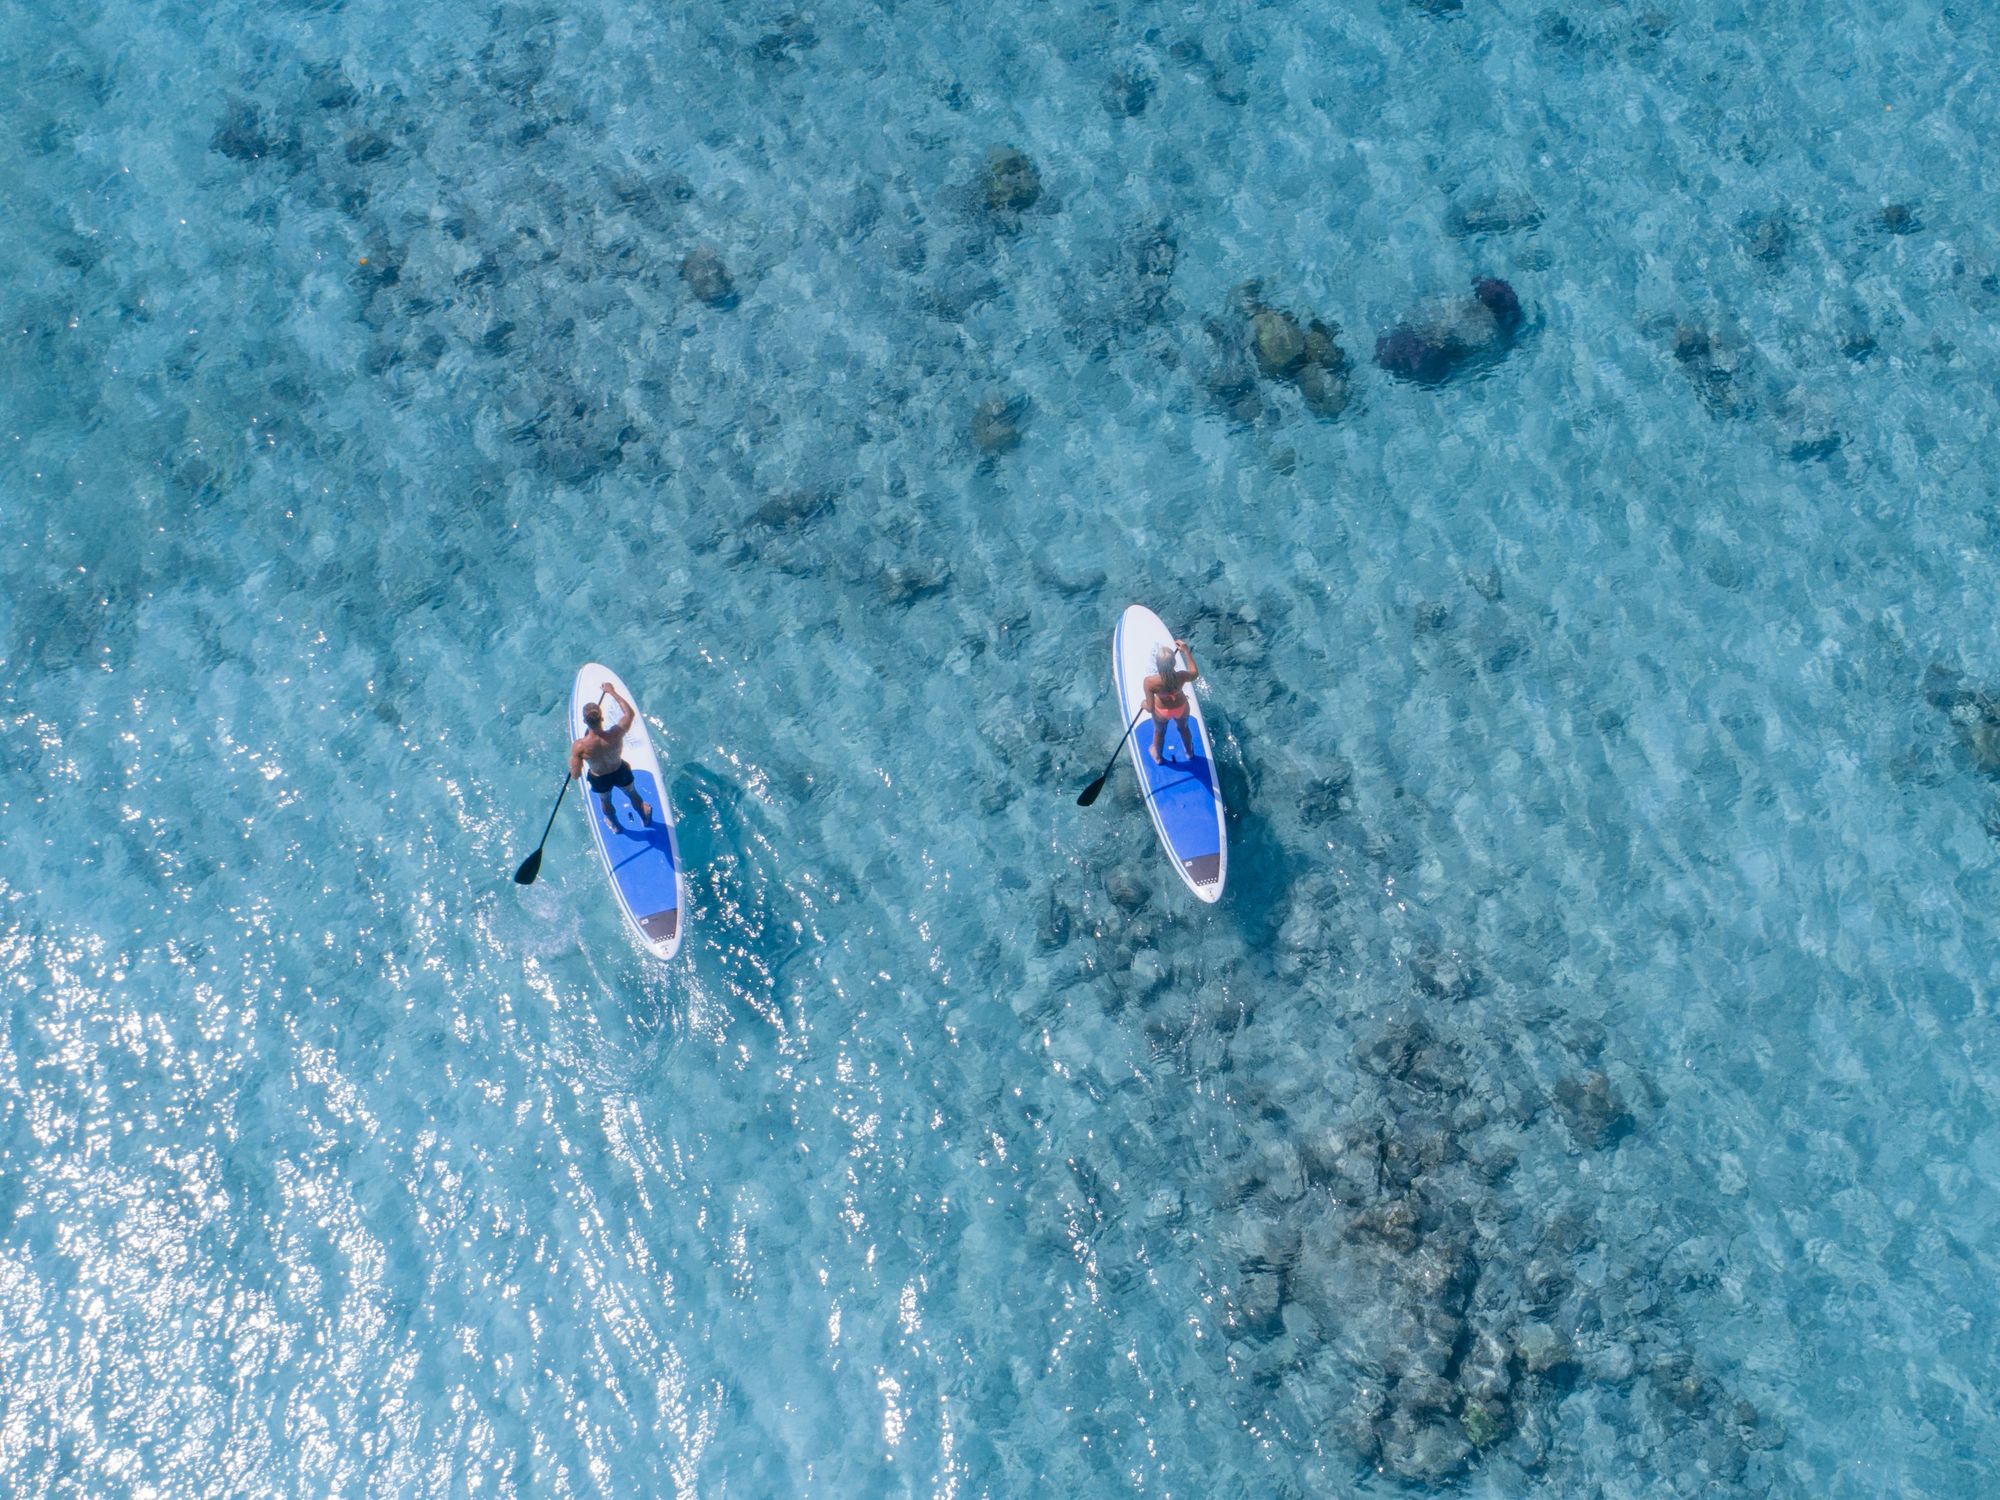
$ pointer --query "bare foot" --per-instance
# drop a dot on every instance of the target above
(645, 813)
(1155, 752)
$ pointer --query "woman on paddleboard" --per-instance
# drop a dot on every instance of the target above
(1166, 696)
(601, 752)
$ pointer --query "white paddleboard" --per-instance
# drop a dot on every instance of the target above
(1183, 793)
(643, 861)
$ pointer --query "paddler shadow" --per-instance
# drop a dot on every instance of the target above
(740, 918)
(624, 820)
(631, 841)
(1262, 870)
(1177, 770)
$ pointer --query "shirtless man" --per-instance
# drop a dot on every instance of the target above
(1166, 696)
(601, 752)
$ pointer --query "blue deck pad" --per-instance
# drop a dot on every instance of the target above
(641, 859)
(1183, 793)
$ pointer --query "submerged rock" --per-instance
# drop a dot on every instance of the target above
(1898, 218)
(1147, 971)
(1410, 355)
(1755, 1430)
(1483, 1374)
(577, 440)
(1126, 93)
(1325, 391)
(1692, 344)
(792, 35)
(1427, 1451)
(708, 278)
(1223, 76)
(904, 583)
(1126, 890)
(1305, 355)
(1466, 336)
(1394, 1223)
(248, 134)
(366, 147)
(1012, 184)
(1499, 299)
(1501, 214)
(1974, 712)
(1229, 375)
(1979, 729)
(1324, 790)
(330, 89)
(1259, 1296)
(1444, 976)
(1554, 29)
(792, 510)
(1591, 1108)
(1053, 930)
(1426, 1323)
(1322, 351)
(1769, 237)
(1278, 342)
(1612, 1363)
(1347, 1162)
(1540, 1348)
(996, 423)
(1360, 1425)
(1945, 688)
(1154, 255)
(1483, 1422)
(1712, 373)
(1426, 1392)
(652, 198)
(1390, 1054)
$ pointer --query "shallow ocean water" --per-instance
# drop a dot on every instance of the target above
(1588, 1085)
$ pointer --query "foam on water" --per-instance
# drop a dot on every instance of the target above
(1587, 1085)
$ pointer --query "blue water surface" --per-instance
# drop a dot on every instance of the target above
(1589, 1085)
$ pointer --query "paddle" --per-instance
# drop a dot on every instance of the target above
(532, 865)
(1089, 793)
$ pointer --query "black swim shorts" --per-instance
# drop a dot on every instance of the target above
(602, 785)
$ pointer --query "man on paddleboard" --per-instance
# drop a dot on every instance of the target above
(601, 753)
(1166, 696)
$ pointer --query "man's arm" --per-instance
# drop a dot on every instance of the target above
(617, 736)
(576, 758)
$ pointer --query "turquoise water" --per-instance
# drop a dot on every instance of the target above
(1588, 1085)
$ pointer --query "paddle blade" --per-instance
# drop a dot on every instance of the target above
(530, 868)
(1089, 793)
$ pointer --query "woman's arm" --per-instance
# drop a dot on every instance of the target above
(1193, 672)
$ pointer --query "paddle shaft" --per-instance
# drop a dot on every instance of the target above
(1090, 792)
(567, 779)
(1112, 764)
(533, 863)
